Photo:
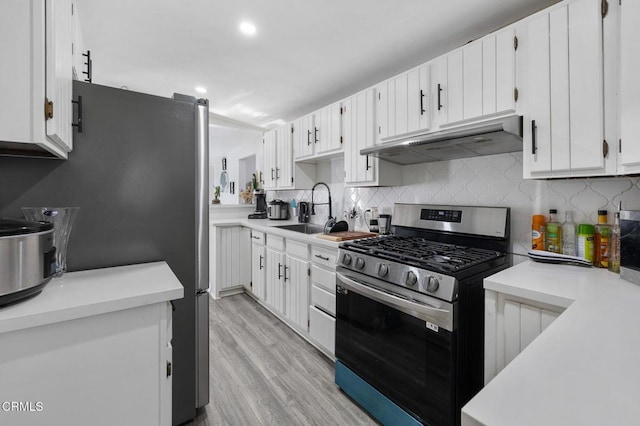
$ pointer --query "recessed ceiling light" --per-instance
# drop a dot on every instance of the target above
(201, 89)
(247, 28)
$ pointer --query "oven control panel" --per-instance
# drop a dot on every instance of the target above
(441, 215)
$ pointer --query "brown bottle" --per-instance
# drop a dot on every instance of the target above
(603, 231)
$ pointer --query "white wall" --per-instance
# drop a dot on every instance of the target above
(233, 143)
(488, 181)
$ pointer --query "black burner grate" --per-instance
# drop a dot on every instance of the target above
(424, 253)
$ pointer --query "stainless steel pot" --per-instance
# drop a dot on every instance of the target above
(278, 210)
(27, 258)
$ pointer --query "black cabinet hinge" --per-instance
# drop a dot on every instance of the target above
(340, 140)
(605, 148)
(605, 8)
(308, 272)
(619, 145)
(291, 179)
(515, 94)
(378, 95)
(515, 42)
(292, 128)
(168, 369)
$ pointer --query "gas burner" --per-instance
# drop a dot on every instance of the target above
(423, 253)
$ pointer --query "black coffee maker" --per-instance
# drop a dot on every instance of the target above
(261, 206)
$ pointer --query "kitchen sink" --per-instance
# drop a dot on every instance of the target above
(305, 228)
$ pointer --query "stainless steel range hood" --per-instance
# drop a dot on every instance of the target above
(490, 137)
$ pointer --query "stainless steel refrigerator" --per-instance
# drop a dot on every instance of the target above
(139, 173)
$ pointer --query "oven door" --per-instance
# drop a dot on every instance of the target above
(403, 348)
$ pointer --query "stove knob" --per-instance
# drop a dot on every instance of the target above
(383, 269)
(432, 284)
(359, 263)
(346, 259)
(411, 278)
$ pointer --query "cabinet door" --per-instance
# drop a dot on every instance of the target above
(232, 246)
(59, 75)
(472, 80)
(505, 70)
(386, 110)
(455, 93)
(284, 152)
(303, 136)
(401, 84)
(258, 263)
(439, 87)
(18, 32)
(538, 143)
(296, 285)
(269, 145)
(274, 295)
(630, 85)
(489, 91)
(244, 256)
(586, 88)
(417, 88)
(359, 130)
(328, 129)
(559, 87)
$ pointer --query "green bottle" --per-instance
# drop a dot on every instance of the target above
(553, 234)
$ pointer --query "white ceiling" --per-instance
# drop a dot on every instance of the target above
(305, 55)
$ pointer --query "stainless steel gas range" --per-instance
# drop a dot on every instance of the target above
(410, 311)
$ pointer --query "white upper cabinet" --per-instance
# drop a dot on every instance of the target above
(318, 134)
(472, 80)
(304, 135)
(476, 81)
(280, 172)
(329, 125)
(630, 87)
(36, 43)
(564, 119)
(402, 105)
(358, 133)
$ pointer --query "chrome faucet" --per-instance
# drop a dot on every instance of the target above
(313, 209)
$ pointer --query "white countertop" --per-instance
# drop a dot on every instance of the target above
(98, 291)
(271, 227)
(583, 369)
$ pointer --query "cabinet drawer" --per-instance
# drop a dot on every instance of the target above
(324, 256)
(322, 328)
(275, 242)
(323, 278)
(298, 249)
(323, 299)
(257, 237)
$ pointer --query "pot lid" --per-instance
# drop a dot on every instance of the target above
(9, 226)
(278, 202)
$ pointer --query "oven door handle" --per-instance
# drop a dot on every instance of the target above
(440, 317)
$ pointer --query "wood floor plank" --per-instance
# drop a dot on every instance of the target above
(263, 373)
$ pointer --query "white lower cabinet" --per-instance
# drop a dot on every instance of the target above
(322, 329)
(229, 262)
(322, 309)
(258, 263)
(296, 291)
(511, 324)
(274, 295)
(100, 369)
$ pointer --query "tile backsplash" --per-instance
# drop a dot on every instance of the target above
(485, 181)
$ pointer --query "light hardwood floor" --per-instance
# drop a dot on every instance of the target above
(262, 373)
